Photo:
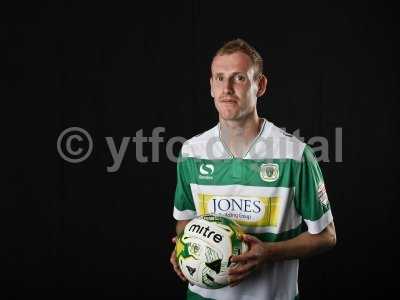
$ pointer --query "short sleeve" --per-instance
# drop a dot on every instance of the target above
(311, 196)
(184, 208)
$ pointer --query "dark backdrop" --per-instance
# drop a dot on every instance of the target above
(114, 69)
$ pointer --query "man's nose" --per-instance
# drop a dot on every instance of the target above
(227, 87)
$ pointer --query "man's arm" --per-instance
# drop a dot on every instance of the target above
(304, 245)
(180, 225)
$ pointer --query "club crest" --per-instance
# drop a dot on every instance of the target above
(269, 172)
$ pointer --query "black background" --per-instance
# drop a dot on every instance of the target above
(70, 230)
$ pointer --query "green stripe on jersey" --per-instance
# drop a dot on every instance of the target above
(238, 171)
(193, 296)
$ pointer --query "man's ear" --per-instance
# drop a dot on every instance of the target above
(262, 85)
(211, 87)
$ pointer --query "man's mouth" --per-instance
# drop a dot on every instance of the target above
(228, 100)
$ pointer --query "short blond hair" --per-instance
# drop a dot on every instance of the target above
(240, 45)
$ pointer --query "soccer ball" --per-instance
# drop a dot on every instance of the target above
(204, 250)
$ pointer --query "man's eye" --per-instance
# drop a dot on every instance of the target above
(240, 78)
(220, 78)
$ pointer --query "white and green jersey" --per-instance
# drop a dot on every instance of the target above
(270, 192)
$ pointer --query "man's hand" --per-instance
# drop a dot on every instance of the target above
(174, 263)
(304, 245)
(249, 261)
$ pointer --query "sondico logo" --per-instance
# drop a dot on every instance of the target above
(206, 170)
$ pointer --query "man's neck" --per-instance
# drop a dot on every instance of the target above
(238, 135)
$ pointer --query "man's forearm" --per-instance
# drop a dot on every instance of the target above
(304, 245)
(180, 226)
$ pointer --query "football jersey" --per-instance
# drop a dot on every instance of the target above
(275, 188)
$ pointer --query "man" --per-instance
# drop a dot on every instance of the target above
(265, 179)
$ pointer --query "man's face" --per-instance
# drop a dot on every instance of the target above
(233, 86)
